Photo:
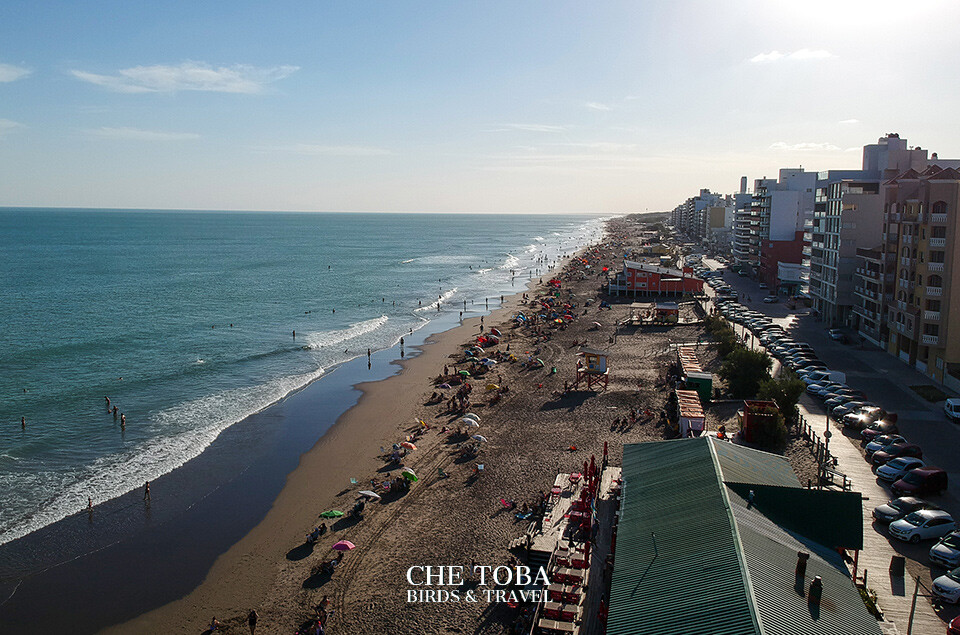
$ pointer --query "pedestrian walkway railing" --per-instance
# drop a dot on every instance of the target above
(825, 460)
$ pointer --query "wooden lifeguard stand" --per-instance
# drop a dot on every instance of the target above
(592, 368)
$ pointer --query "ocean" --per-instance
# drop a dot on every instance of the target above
(186, 321)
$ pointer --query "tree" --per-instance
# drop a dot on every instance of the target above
(725, 339)
(772, 434)
(744, 370)
(786, 392)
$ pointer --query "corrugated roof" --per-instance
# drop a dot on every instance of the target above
(689, 401)
(691, 557)
(770, 553)
(739, 464)
(833, 519)
(677, 560)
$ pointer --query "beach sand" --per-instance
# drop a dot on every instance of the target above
(440, 521)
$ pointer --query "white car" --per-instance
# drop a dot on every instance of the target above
(923, 525)
(951, 408)
(947, 587)
(947, 551)
(895, 469)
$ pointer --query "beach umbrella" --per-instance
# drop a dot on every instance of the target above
(489, 363)
(344, 545)
(597, 324)
(333, 513)
(408, 445)
(479, 437)
(370, 494)
(492, 387)
(471, 358)
(465, 373)
(558, 321)
(409, 474)
(470, 423)
(444, 386)
(493, 339)
(496, 332)
(471, 415)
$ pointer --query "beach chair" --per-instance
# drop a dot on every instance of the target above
(441, 473)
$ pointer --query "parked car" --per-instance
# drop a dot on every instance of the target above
(874, 430)
(836, 334)
(882, 440)
(900, 507)
(840, 411)
(895, 469)
(954, 627)
(770, 299)
(947, 588)
(923, 480)
(895, 451)
(947, 551)
(951, 408)
(924, 524)
(863, 418)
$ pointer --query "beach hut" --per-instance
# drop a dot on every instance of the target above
(694, 377)
(666, 313)
(692, 418)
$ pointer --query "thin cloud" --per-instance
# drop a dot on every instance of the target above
(801, 54)
(849, 122)
(11, 73)
(595, 105)
(333, 151)
(137, 134)
(600, 146)
(528, 127)
(239, 78)
(7, 126)
(804, 147)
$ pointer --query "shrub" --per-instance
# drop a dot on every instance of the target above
(743, 370)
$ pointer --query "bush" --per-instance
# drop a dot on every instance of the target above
(725, 339)
(772, 435)
(786, 392)
(744, 370)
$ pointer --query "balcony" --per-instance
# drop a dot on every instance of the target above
(931, 316)
(935, 291)
(935, 267)
(932, 340)
(907, 239)
(861, 291)
(865, 312)
(903, 328)
(901, 305)
(868, 273)
(938, 242)
(938, 218)
(906, 262)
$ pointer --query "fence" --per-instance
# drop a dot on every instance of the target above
(823, 457)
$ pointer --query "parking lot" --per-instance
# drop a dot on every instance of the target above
(885, 381)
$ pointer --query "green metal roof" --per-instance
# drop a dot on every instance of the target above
(833, 519)
(677, 561)
(692, 558)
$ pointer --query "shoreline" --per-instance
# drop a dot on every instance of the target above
(239, 577)
(118, 547)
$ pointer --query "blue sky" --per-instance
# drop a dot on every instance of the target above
(447, 106)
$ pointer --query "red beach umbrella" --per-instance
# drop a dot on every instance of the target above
(344, 545)
(408, 445)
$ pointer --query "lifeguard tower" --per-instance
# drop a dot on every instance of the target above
(592, 368)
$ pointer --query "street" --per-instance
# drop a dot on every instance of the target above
(886, 381)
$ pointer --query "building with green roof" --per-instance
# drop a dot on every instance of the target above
(708, 542)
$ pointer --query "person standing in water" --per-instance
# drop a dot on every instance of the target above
(23, 423)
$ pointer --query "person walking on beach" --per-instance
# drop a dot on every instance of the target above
(146, 491)
(252, 620)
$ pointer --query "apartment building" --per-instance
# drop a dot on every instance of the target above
(921, 255)
(848, 216)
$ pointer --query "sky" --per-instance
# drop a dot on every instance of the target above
(442, 106)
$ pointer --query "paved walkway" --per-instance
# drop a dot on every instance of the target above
(894, 594)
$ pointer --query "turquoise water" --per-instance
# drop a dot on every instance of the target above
(185, 321)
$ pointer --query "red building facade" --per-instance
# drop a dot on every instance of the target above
(639, 278)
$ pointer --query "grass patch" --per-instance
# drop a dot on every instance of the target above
(930, 393)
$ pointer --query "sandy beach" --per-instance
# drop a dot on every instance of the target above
(533, 433)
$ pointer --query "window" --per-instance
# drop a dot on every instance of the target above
(938, 232)
(940, 207)
(934, 281)
(933, 305)
(905, 252)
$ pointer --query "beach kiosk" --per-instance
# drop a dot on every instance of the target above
(694, 377)
(666, 313)
(692, 419)
(592, 368)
